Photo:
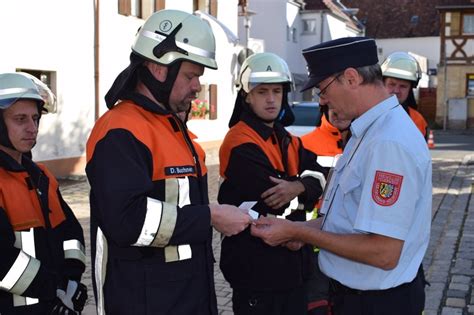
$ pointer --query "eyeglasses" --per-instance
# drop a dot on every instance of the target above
(321, 92)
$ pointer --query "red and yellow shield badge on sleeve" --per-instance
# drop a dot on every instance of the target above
(386, 188)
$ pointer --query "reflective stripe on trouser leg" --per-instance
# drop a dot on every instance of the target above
(101, 256)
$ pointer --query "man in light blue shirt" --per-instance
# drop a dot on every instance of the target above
(377, 205)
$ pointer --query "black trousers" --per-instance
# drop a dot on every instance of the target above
(283, 302)
(317, 288)
(406, 299)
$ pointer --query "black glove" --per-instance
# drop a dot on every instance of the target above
(70, 300)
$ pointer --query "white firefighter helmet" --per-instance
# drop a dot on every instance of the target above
(263, 68)
(20, 85)
(401, 65)
(171, 35)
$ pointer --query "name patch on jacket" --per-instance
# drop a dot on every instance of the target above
(386, 188)
(180, 170)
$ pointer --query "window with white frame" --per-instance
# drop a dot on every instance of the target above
(468, 24)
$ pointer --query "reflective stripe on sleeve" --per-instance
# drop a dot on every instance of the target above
(152, 222)
(25, 240)
(176, 253)
(318, 175)
(167, 225)
(160, 221)
(73, 249)
(21, 274)
(19, 300)
(171, 190)
(177, 191)
(184, 198)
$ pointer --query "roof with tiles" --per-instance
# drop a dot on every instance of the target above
(401, 18)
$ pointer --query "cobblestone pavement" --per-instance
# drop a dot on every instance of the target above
(448, 262)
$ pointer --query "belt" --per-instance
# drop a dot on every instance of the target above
(338, 288)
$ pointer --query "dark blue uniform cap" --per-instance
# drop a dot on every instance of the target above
(334, 56)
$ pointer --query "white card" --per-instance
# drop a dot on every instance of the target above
(254, 214)
(247, 205)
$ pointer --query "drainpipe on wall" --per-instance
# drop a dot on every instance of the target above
(96, 59)
(322, 27)
(445, 114)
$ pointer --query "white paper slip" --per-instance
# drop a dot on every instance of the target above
(247, 205)
(254, 214)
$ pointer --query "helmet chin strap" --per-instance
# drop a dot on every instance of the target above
(161, 91)
(4, 139)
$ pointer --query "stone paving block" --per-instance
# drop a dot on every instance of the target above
(451, 311)
(456, 302)
(458, 286)
(440, 276)
(461, 279)
(463, 263)
(468, 254)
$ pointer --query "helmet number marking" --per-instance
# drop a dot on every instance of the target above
(165, 26)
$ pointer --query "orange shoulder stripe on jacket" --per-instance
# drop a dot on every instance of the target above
(242, 133)
(22, 204)
(154, 131)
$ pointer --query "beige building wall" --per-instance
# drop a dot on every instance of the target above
(455, 87)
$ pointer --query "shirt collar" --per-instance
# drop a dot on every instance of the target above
(362, 123)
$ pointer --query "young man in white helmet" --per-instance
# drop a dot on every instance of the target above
(261, 162)
(42, 242)
(150, 213)
(401, 73)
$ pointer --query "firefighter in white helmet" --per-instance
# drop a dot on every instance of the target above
(42, 243)
(401, 73)
(261, 162)
(150, 213)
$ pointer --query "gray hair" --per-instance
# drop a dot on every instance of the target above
(370, 74)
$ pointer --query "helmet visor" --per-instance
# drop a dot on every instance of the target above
(11, 95)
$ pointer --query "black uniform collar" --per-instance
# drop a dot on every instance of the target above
(263, 130)
(11, 165)
(145, 103)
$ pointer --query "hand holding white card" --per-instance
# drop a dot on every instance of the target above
(247, 205)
